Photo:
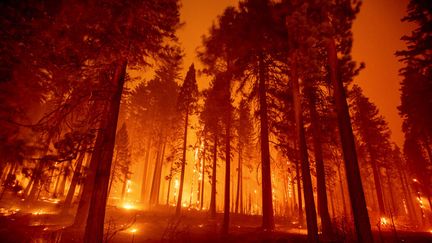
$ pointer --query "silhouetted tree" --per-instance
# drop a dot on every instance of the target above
(186, 104)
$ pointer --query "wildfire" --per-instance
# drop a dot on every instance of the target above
(128, 206)
(133, 230)
(383, 221)
(39, 212)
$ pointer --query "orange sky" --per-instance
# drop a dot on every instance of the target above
(377, 31)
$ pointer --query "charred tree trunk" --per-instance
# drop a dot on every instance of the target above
(213, 180)
(182, 173)
(95, 221)
(267, 199)
(358, 201)
(327, 228)
(311, 219)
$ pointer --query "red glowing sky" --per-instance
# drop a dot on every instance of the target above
(377, 32)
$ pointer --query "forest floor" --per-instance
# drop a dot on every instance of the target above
(42, 223)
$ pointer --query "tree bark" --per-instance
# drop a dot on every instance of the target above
(311, 219)
(267, 199)
(212, 207)
(299, 190)
(95, 221)
(75, 179)
(377, 181)
(342, 193)
(145, 170)
(239, 196)
(226, 218)
(323, 211)
(182, 173)
(123, 192)
(407, 195)
(202, 179)
(154, 192)
(358, 201)
(84, 203)
(114, 168)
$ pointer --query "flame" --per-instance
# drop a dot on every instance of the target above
(128, 206)
(383, 221)
(133, 230)
(38, 212)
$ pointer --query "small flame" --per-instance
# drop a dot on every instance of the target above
(383, 221)
(39, 212)
(128, 206)
(133, 230)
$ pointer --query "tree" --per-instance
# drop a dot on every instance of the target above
(218, 58)
(416, 90)
(122, 160)
(186, 105)
(374, 135)
(337, 26)
(211, 117)
(245, 138)
(134, 25)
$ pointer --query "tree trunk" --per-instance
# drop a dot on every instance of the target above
(154, 191)
(327, 229)
(145, 170)
(95, 221)
(393, 209)
(239, 195)
(75, 179)
(62, 186)
(299, 195)
(267, 199)
(226, 218)
(123, 192)
(202, 178)
(342, 193)
(182, 174)
(407, 196)
(169, 189)
(213, 180)
(113, 173)
(377, 181)
(84, 203)
(311, 219)
(358, 201)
